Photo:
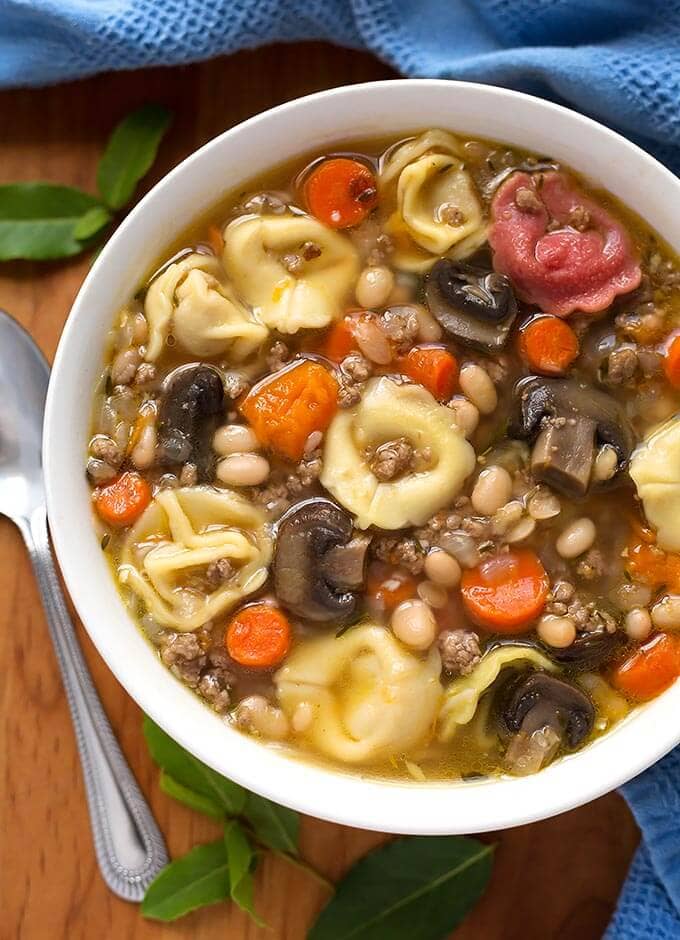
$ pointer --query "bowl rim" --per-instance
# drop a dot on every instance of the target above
(348, 798)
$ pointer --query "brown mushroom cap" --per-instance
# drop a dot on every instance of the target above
(566, 420)
(541, 700)
(318, 565)
(190, 409)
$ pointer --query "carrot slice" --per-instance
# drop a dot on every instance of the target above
(433, 367)
(341, 192)
(121, 502)
(671, 362)
(285, 409)
(549, 345)
(340, 340)
(387, 587)
(650, 669)
(506, 591)
(258, 637)
(649, 564)
(216, 240)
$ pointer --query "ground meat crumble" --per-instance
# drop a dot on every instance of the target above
(460, 651)
(563, 601)
(207, 672)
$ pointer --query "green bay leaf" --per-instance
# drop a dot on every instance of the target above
(192, 799)
(274, 826)
(94, 220)
(241, 862)
(199, 878)
(191, 773)
(130, 152)
(38, 220)
(416, 888)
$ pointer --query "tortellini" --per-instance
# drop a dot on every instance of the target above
(290, 300)
(655, 470)
(390, 410)
(370, 696)
(175, 540)
(463, 694)
(438, 210)
(191, 300)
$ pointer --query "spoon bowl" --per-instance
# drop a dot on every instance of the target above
(24, 375)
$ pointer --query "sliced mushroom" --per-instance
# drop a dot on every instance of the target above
(542, 700)
(474, 305)
(191, 406)
(542, 713)
(588, 651)
(526, 166)
(567, 421)
(318, 565)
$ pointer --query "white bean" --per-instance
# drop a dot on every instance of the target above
(605, 465)
(372, 341)
(463, 548)
(520, 531)
(478, 387)
(242, 470)
(234, 439)
(429, 331)
(559, 632)
(544, 504)
(491, 491)
(374, 287)
(638, 623)
(140, 328)
(413, 623)
(666, 613)
(255, 713)
(433, 594)
(303, 717)
(577, 538)
(144, 452)
(465, 414)
(442, 568)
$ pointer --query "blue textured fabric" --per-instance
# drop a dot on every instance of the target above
(618, 60)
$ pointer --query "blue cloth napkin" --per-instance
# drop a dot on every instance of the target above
(618, 60)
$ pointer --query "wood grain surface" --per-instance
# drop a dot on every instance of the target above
(555, 879)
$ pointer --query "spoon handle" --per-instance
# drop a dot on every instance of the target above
(128, 844)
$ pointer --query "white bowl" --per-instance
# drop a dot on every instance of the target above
(380, 108)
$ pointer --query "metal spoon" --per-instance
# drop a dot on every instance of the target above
(128, 844)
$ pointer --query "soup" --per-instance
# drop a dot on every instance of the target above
(386, 464)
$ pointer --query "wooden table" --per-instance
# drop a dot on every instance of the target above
(556, 879)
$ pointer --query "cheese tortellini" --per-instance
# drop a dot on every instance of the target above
(463, 694)
(438, 210)
(389, 410)
(287, 300)
(191, 300)
(168, 550)
(371, 698)
(655, 470)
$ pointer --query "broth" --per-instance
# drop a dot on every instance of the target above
(623, 350)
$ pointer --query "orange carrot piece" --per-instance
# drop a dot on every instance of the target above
(671, 362)
(433, 367)
(549, 345)
(647, 563)
(121, 502)
(285, 409)
(258, 636)
(341, 192)
(339, 341)
(216, 240)
(650, 669)
(387, 587)
(506, 592)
